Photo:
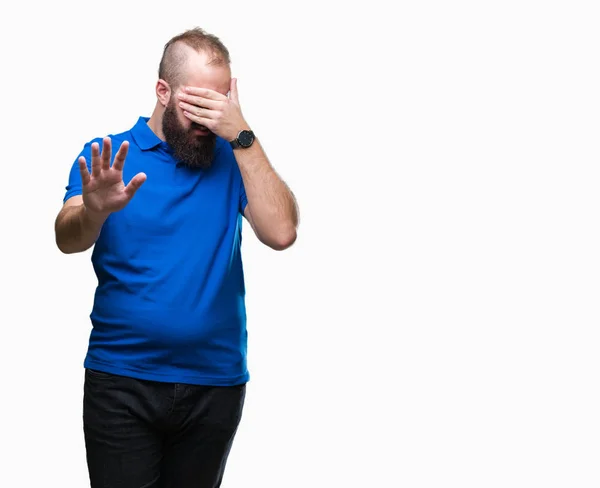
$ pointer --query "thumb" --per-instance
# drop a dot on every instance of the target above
(233, 91)
(134, 184)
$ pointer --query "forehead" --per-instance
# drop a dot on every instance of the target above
(198, 72)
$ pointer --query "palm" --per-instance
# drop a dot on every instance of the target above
(104, 190)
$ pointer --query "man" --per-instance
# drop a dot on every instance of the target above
(166, 363)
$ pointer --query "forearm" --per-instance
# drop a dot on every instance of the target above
(272, 205)
(76, 231)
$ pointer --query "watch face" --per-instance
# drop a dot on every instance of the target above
(246, 138)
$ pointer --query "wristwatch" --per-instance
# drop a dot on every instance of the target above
(244, 139)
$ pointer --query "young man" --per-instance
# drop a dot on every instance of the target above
(162, 204)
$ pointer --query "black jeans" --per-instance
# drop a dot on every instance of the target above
(146, 434)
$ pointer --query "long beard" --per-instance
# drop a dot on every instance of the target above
(190, 149)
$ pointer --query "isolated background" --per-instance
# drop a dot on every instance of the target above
(436, 323)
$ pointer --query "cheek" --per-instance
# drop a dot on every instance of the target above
(183, 120)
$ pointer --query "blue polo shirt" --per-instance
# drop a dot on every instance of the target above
(169, 305)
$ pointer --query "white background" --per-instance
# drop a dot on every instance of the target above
(436, 323)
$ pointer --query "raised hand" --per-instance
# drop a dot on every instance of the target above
(104, 191)
(215, 111)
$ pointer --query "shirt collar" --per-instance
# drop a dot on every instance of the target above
(144, 137)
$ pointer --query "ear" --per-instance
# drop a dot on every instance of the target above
(163, 92)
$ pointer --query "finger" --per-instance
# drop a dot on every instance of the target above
(83, 171)
(198, 111)
(233, 91)
(106, 153)
(134, 184)
(119, 161)
(96, 164)
(200, 101)
(204, 93)
(206, 122)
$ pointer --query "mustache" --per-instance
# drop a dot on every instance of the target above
(195, 125)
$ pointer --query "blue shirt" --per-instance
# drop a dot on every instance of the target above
(169, 305)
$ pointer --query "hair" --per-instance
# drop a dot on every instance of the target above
(174, 56)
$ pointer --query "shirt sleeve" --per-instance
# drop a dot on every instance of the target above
(73, 187)
(243, 197)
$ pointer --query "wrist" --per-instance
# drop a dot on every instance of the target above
(243, 139)
(93, 217)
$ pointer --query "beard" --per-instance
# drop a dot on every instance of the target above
(192, 150)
